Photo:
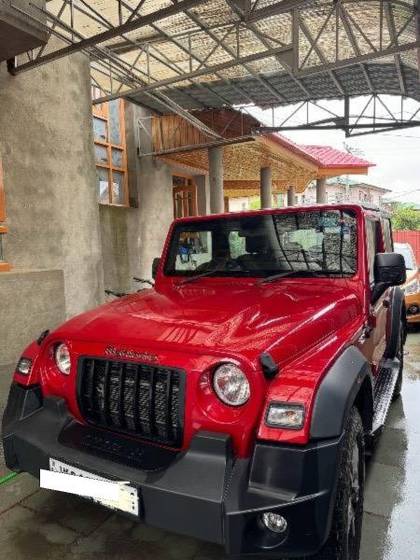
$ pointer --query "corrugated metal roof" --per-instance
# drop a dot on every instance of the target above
(331, 158)
(325, 157)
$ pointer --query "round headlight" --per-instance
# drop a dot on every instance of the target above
(62, 358)
(231, 385)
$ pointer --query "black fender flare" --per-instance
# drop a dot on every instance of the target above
(396, 313)
(337, 393)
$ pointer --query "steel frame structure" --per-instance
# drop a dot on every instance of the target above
(372, 115)
(194, 54)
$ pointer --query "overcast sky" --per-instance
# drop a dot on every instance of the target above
(396, 154)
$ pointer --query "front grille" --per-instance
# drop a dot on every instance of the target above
(139, 399)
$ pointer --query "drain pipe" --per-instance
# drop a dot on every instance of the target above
(8, 477)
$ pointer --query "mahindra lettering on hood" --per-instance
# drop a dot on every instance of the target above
(237, 396)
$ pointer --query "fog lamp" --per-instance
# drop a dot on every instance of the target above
(284, 415)
(413, 309)
(274, 522)
(24, 366)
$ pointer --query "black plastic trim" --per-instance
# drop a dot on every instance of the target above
(269, 366)
(337, 393)
(395, 313)
(204, 492)
(181, 406)
(42, 337)
(22, 402)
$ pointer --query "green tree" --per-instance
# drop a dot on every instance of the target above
(405, 216)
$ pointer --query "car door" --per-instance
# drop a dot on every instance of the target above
(379, 309)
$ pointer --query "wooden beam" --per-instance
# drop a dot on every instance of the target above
(336, 172)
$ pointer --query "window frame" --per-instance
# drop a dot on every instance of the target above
(189, 188)
(101, 112)
(4, 266)
(379, 242)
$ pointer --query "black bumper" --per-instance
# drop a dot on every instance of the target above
(204, 493)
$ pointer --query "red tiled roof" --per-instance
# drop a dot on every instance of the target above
(330, 157)
(325, 157)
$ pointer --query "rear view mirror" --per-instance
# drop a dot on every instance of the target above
(155, 266)
(389, 271)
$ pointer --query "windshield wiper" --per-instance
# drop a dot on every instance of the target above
(198, 276)
(304, 273)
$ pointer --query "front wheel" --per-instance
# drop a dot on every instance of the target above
(344, 540)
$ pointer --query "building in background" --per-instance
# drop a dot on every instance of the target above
(347, 191)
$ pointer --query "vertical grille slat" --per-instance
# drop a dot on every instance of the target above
(138, 399)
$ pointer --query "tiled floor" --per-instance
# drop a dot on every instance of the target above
(40, 525)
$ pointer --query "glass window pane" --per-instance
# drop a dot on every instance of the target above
(114, 122)
(117, 158)
(309, 243)
(99, 130)
(101, 154)
(103, 184)
(117, 188)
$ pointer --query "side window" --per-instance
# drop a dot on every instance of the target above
(237, 245)
(387, 234)
(372, 245)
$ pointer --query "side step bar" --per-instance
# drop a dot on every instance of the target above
(383, 392)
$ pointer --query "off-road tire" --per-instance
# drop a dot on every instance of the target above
(400, 356)
(344, 540)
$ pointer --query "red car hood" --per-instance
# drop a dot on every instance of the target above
(232, 318)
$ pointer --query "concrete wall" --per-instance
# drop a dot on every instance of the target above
(30, 302)
(46, 143)
(133, 237)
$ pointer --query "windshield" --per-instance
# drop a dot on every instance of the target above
(407, 253)
(321, 242)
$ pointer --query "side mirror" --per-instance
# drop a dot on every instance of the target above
(155, 266)
(389, 271)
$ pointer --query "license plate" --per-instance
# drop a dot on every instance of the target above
(117, 495)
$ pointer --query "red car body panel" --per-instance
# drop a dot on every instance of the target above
(304, 324)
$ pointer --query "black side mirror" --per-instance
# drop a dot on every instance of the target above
(155, 266)
(389, 271)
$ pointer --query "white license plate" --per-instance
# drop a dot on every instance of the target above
(117, 495)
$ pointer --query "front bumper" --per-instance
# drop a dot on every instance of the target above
(204, 492)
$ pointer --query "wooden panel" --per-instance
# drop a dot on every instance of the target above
(338, 171)
(172, 131)
(2, 196)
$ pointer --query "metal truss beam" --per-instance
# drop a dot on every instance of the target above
(314, 36)
(126, 27)
(373, 116)
(197, 73)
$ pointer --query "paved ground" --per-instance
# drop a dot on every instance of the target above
(40, 525)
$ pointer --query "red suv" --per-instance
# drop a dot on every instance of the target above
(237, 396)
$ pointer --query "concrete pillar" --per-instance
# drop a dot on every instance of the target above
(217, 203)
(321, 191)
(266, 187)
(291, 197)
(203, 194)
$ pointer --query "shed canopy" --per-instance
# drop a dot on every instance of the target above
(173, 55)
(245, 152)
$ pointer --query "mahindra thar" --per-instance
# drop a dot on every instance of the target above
(235, 400)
